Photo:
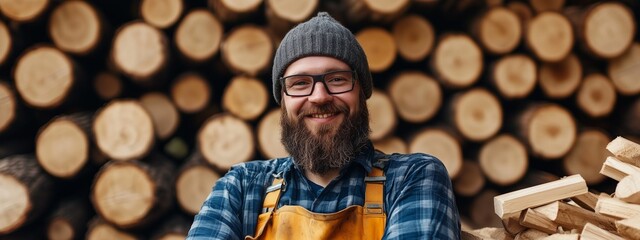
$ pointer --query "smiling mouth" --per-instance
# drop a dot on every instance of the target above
(322, 115)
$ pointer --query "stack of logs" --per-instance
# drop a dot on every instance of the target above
(126, 112)
(564, 209)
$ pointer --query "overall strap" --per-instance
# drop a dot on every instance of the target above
(272, 196)
(374, 192)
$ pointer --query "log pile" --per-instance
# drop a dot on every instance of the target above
(566, 209)
(130, 110)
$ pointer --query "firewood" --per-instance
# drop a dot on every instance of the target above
(6, 43)
(480, 213)
(27, 191)
(587, 155)
(492, 233)
(164, 114)
(476, 114)
(596, 95)
(225, 140)
(231, 11)
(440, 143)
(503, 160)
(514, 76)
(466, 235)
(107, 85)
(124, 130)
(498, 30)
(616, 208)
(523, 10)
(616, 169)
(629, 228)
(414, 35)
(391, 144)
(625, 150)
(173, 227)
(470, 180)
(140, 52)
(133, 194)
(44, 77)
(533, 219)
(562, 236)
(623, 72)
(379, 46)
(8, 107)
(76, 27)
(511, 223)
(194, 182)
(246, 98)
(561, 79)
(531, 234)
(248, 49)
(416, 96)
(199, 35)
(547, 5)
(69, 219)
(587, 201)
(550, 37)
(284, 15)
(375, 10)
(457, 61)
(98, 229)
(537, 195)
(628, 189)
(161, 14)
(574, 217)
(191, 93)
(382, 116)
(548, 129)
(593, 232)
(269, 134)
(21, 11)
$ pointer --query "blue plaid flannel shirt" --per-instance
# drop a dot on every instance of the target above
(419, 199)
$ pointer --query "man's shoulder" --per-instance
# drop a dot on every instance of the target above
(411, 162)
(271, 166)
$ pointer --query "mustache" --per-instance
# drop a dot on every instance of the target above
(326, 108)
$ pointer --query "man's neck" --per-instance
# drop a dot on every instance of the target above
(322, 179)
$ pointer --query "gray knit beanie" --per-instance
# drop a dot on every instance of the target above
(320, 36)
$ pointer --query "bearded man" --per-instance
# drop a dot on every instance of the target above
(334, 185)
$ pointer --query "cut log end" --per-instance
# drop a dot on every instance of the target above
(440, 144)
(457, 61)
(100, 230)
(416, 96)
(225, 140)
(246, 98)
(62, 148)
(193, 185)
(379, 47)
(391, 144)
(521, 9)
(587, 156)
(248, 49)
(230, 10)
(139, 51)
(14, 203)
(191, 93)
(8, 106)
(6, 43)
(596, 96)
(414, 35)
(504, 160)
(75, 27)
(550, 36)
(550, 132)
(199, 35)
(293, 11)
(161, 14)
(500, 30)
(609, 29)
(561, 79)
(470, 181)
(164, 114)
(20, 11)
(269, 135)
(477, 114)
(623, 71)
(60, 229)
(124, 130)
(44, 77)
(107, 85)
(382, 115)
(515, 76)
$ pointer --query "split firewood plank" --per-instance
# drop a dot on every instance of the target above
(457, 61)
(498, 30)
(163, 112)
(231, 10)
(560, 79)
(414, 36)
(625, 150)
(550, 36)
(391, 144)
(382, 115)
(246, 98)
(503, 160)
(440, 143)
(623, 71)
(616, 208)
(531, 234)
(629, 228)
(574, 217)
(98, 229)
(416, 96)
(628, 189)
(532, 219)
(225, 140)
(514, 76)
(191, 92)
(140, 52)
(269, 135)
(587, 201)
(548, 129)
(76, 27)
(537, 195)
(476, 114)
(199, 35)
(616, 169)
(161, 14)
(379, 47)
(596, 95)
(470, 181)
(248, 49)
(587, 155)
(107, 85)
(24, 11)
(194, 182)
(593, 232)
(511, 223)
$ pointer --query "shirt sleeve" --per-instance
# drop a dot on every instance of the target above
(219, 217)
(423, 204)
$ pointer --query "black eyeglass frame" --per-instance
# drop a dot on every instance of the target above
(319, 78)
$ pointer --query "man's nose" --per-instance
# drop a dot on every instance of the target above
(320, 94)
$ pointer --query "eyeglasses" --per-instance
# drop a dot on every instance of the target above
(303, 84)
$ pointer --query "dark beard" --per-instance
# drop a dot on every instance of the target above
(328, 149)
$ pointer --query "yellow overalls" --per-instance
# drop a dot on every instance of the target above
(295, 222)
